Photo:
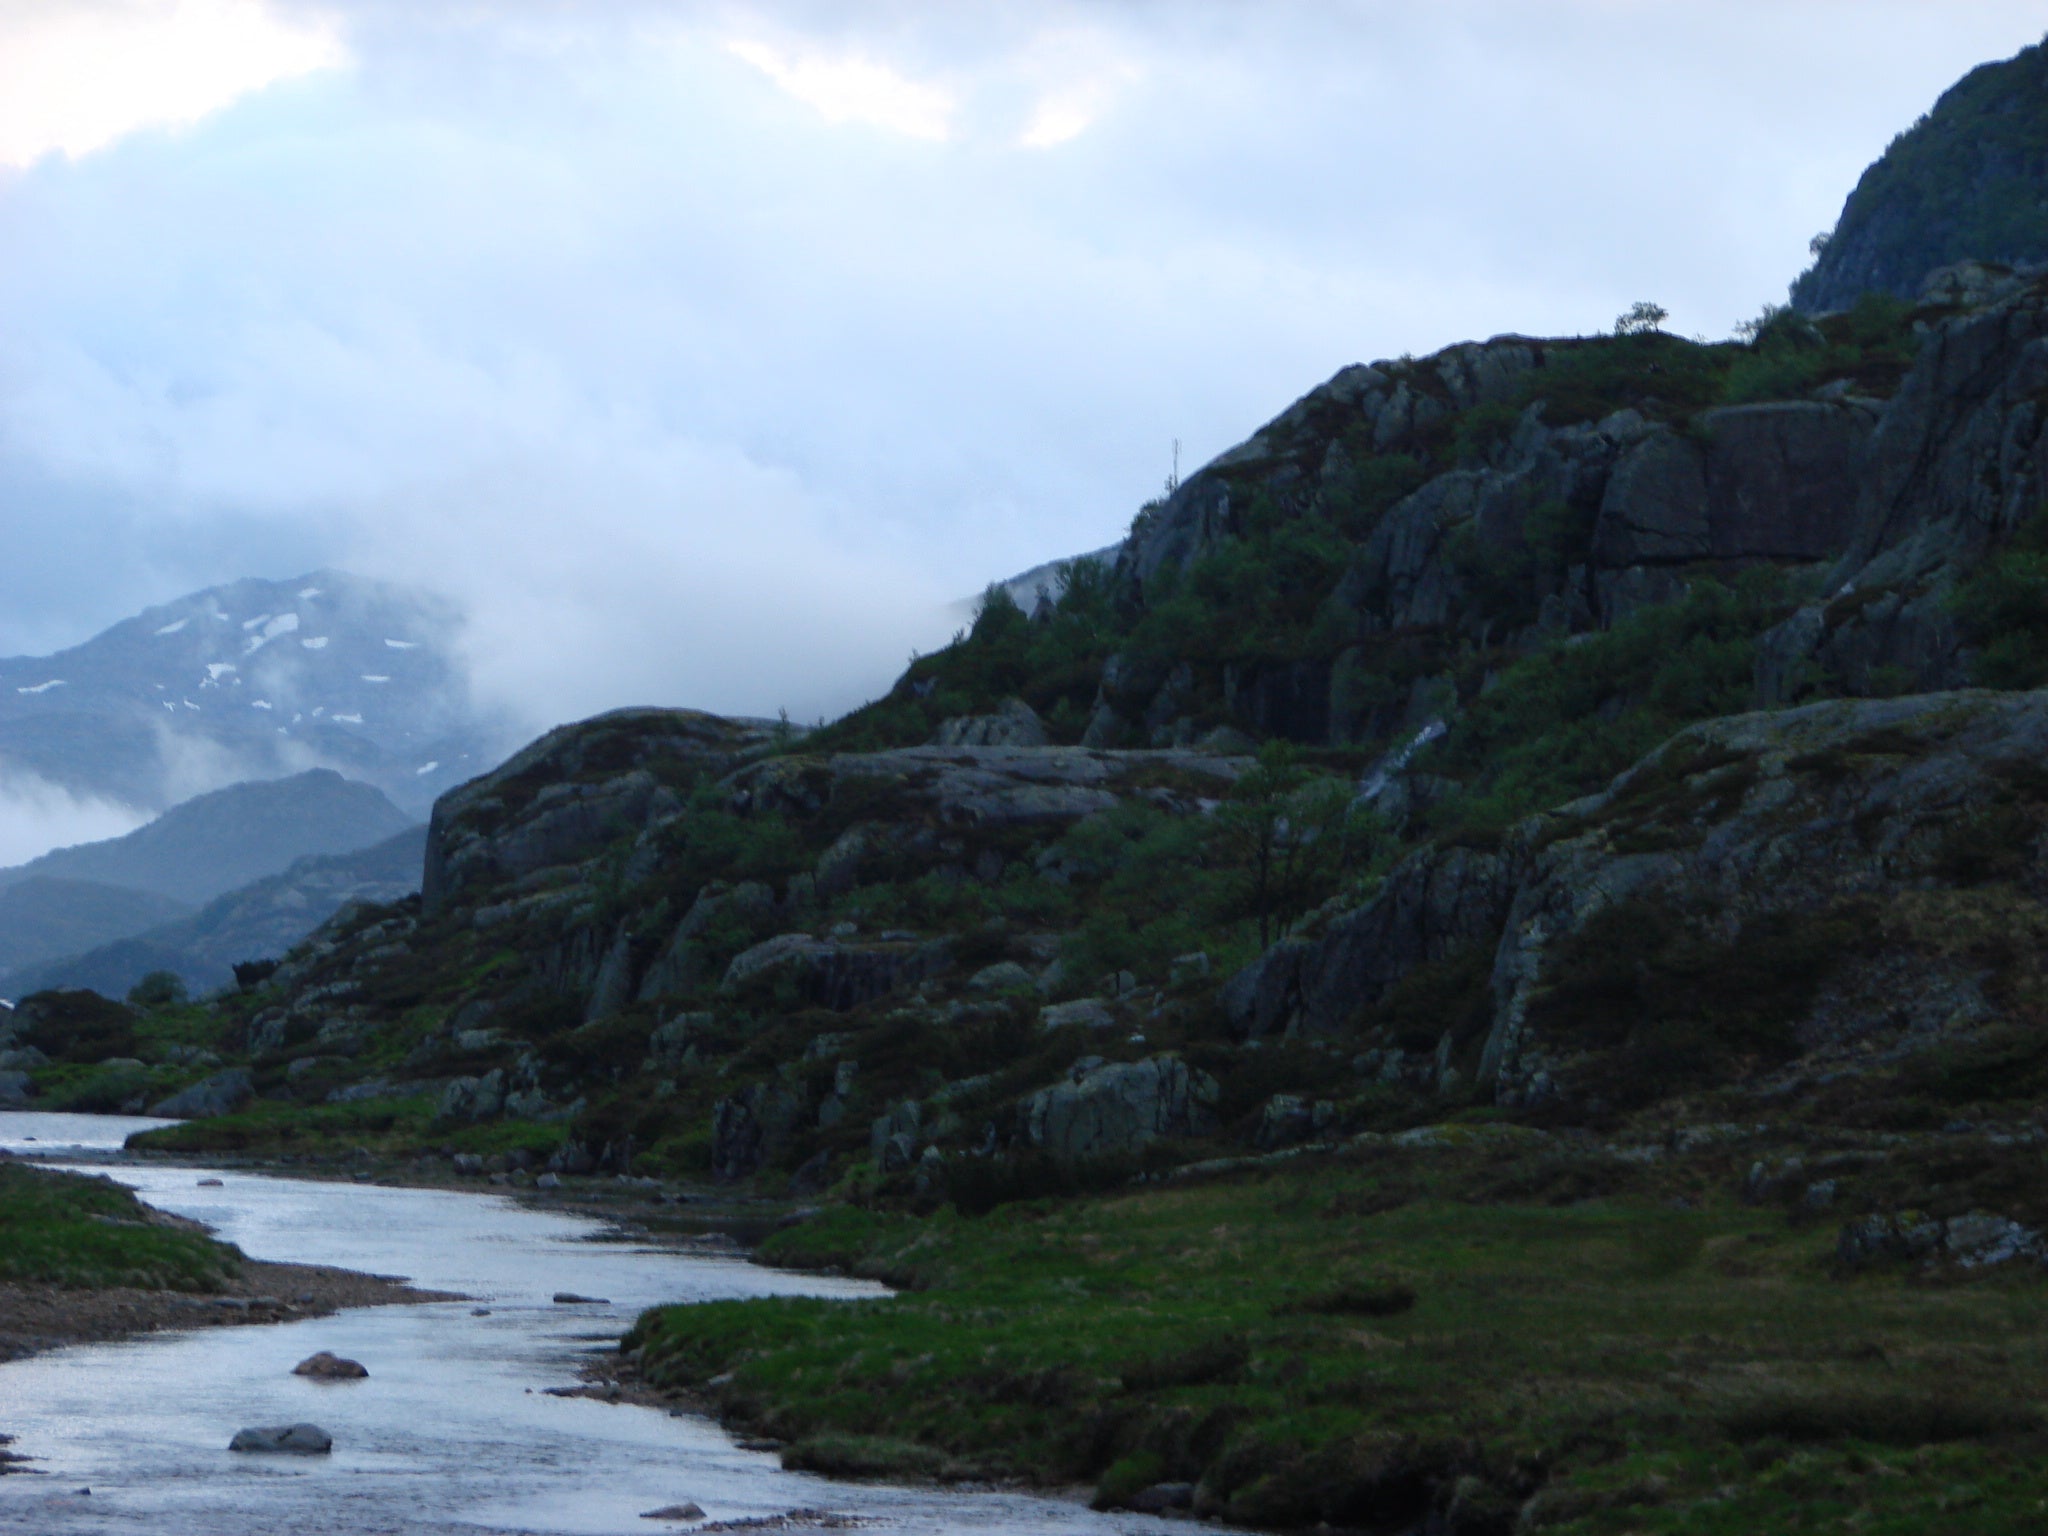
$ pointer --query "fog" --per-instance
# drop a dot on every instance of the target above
(706, 353)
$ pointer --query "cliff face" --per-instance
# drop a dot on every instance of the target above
(1966, 181)
(1405, 762)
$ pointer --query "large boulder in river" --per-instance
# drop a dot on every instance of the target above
(1114, 1110)
(221, 1094)
(284, 1439)
(327, 1366)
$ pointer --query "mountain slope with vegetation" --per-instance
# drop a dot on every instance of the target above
(1517, 827)
(1483, 974)
(1963, 183)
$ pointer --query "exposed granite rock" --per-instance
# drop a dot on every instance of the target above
(1016, 724)
(575, 790)
(1117, 1109)
(221, 1094)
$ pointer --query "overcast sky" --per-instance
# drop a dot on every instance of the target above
(705, 351)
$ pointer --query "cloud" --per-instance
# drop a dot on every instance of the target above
(76, 75)
(705, 351)
(852, 88)
(36, 816)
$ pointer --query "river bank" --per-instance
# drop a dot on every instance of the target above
(39, 1316)
(460, 1426)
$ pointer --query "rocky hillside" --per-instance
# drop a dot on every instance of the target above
(1962, 183)
(1400, 1002)
(1323, 812)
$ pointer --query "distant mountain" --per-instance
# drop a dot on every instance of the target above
(43, 917)
(217, 842)
(254, 680)
(258, 921)
(1970, 179)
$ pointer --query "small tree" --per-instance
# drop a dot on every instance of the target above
(1641, 318)
(159, 989)
(1296, 833)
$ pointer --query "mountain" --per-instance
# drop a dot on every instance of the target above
(216, 842)
(254, 679)
(259, 921)
(1433, 656)
(1497, 944)
(42, 917)
(1965, 182)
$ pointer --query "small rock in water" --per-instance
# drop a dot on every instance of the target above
(289, 1439)
(479, 1311)
(209, 1184)
(571, 1299)
(683, 1511)
(329, 1367)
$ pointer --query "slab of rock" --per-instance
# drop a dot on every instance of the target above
(1088, 1012)
(683, 1511)
(284, 1439)
(221, 1094)
(571, 1299)
(326, 1366)
(1117, 1108)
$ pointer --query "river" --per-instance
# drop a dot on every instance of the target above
(453, 1431)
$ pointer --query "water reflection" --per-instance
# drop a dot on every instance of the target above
(453, 1430)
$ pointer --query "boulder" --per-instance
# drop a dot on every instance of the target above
(1015, 724)
(835, 975)
(221, 1094)
(683, 1511)
(572, 1299)
(473, 1098)
(1118, 1108)
(329, 1367)
(1088, 1012)
(284, 1439)
(1003, 976)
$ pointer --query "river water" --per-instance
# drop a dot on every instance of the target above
(453, 1431)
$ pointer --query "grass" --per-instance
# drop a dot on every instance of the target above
(68, 1230)
(1362, 1344)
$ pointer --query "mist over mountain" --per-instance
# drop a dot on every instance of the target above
(257, 921)
(45, 916)
(216, 842)
(250, 680)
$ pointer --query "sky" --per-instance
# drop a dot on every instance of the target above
(707, 352)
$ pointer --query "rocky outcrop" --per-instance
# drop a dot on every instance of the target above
(577, 789)
(1016, 724)
(1735, 828)
(750, 1127)
(1118, 1109)
(221, 1094)
(1957, 463)
(1437, 902)
(835, 975)
(1775, 482)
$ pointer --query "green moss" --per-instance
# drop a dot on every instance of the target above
(1665, 1008)
(64, 1229)
(1587, 1353)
